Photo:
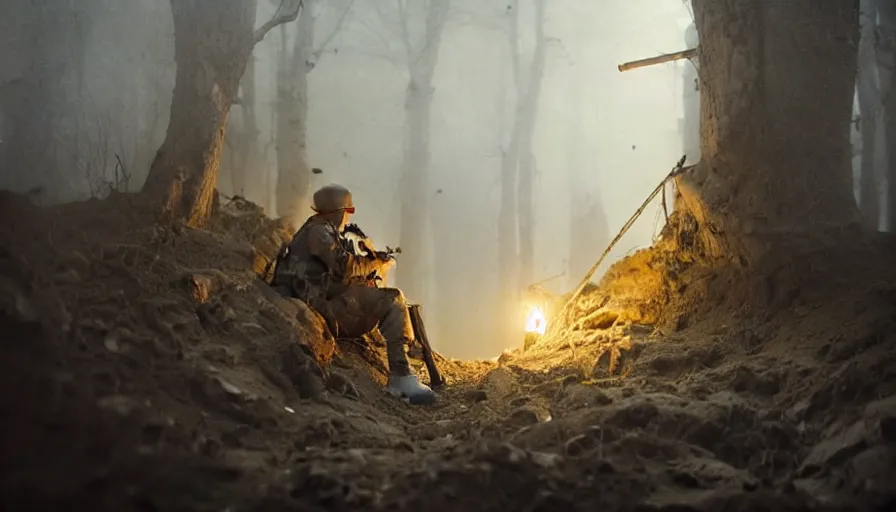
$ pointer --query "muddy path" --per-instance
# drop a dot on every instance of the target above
(148, 368)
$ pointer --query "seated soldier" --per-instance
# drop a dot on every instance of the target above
(320, 269)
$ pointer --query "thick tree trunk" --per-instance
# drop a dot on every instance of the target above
(212, 46)
(293, 170)
(887, 66)
(776, 106)
(413, 185)
(869, 112)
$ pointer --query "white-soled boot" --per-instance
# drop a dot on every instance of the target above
(410, 387)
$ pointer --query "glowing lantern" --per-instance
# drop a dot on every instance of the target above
(536, 325)
(535, 321)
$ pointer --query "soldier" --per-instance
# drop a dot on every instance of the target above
(320, 269)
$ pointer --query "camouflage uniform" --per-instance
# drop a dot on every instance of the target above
(320, 270)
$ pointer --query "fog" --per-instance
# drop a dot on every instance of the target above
(601, 140)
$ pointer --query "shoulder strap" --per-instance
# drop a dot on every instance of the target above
(270, 270)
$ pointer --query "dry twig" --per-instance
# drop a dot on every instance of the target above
(287, 12)
(678, 169)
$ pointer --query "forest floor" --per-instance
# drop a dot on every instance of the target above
(147, 368)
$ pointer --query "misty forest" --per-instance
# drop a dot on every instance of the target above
(651, 240)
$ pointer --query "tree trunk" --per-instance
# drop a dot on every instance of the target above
(526, 220)
(887, 66)
(690, 126)
(529, 109)
(35, 102)
(211, 49)
(508, 254)
(293, 170)
(507, 311)
(246, 178)
(81, 24)
(508, 230)
(869, 112)
(229, 181)
(588, 228)
(773, 160)
(413, 184)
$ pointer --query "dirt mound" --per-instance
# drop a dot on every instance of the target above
(786, 383)
(146, 367)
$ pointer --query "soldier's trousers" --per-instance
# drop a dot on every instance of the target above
(359, 309)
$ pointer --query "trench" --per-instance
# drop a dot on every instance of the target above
(146, 369)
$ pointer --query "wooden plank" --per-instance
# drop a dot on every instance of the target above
(652, 61)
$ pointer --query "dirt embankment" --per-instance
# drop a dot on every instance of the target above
(146, 367)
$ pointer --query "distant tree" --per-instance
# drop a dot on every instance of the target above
(868, 89)
(775, 146)
(212, 45)
(246, 152)
(35, 99)
(136, 104)
(418, 25)
(690, 127)
(528, 87)
(508, 232)
(516, 217)
(886, 50)
(293, 68)
(589, 231)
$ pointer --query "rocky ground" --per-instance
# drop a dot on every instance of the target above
(146, 367)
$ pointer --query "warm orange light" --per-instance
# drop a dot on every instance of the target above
(535, 321)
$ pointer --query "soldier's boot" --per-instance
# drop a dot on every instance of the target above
(396, 328)
(410, 387)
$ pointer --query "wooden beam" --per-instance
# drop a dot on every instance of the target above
(652, 61)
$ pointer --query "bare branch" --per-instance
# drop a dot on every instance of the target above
(287, 12)
(405, 33)
(398, 67)
(329, 38)
(435, 24)
(514, 40)
(304, 44)
(375, 33)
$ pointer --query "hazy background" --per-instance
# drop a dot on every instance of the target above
(599, 133)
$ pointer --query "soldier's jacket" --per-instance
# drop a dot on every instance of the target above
(319, 265)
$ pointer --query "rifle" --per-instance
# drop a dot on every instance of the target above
(362, 246)
(435, 378)
(365, 248)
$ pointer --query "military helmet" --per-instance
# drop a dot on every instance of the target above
(333, 198)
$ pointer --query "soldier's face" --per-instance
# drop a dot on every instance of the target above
(345, 215)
